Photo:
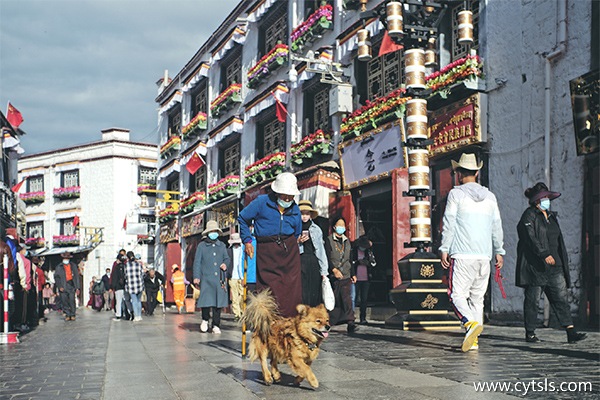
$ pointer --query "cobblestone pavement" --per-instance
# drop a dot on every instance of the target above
(166, 357)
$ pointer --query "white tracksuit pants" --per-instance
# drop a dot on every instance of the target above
(467, 284)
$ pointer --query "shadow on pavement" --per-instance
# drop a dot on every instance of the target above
(559, 352)
(256, 376)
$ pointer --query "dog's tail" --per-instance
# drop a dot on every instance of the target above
(261, 312)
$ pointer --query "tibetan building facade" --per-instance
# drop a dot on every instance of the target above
(288, 85)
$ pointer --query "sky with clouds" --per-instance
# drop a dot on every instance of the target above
(75, 67)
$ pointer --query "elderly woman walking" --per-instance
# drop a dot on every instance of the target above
(277, 227)
(210, 271)
(543, 263)
(312, 256)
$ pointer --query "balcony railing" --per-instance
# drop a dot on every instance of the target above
(196, 125)
(228, 185)
(194, 200)
(35, 242)
(275, 58)
(65, 240)
(312, 28)
(170, 147)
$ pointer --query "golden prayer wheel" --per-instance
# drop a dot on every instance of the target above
(420, 209)
(420, 230)
(418, 158)
(430, 56)
(418, 178)
(395, 22)
(465, 27)
(414, 60)
(416, 119)
(364, 45)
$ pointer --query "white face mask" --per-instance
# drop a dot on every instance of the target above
(65, 261)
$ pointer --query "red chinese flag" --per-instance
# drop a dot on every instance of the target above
(14, 116)
(280, 109)
(194, 163)
(388, 45)
(125, 223)
(75, 221)
(17, 187)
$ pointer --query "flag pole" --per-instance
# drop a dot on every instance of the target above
(245, 294)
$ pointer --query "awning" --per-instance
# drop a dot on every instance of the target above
(235, 125)
(238, 36)
(59, 250)
(260, 10)
(176, 98)
(202, 73)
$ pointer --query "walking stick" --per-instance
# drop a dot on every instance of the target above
(245, 293)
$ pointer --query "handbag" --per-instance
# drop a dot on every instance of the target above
(195, 292)
(328, 296)
(159, 296)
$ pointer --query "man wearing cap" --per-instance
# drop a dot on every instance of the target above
(277, 227)
(236, 274)
(471, 236)
(67, 281)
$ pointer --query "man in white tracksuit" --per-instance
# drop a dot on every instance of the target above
(471, 236)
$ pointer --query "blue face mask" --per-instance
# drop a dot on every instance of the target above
(284, 204)
(545, 204)
(340, 230)
(213, 235)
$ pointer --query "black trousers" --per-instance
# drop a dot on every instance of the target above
(556, 291)
(362, 293)
(151, 301)
(67, 298)
(216, 315)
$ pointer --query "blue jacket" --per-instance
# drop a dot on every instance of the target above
(264, 213)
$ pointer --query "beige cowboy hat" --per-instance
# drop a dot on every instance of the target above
(285, 183)
(467, 161)
(235, 239)
(306, 205)
(212, 226)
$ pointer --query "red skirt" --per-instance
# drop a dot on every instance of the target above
(278, 268)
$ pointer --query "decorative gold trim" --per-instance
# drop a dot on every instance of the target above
(426, 281)
(432, 322)
(428, 312)
(429, 302)
(426, 291)
(427, 270)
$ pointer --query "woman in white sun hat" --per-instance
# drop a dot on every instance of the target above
(277, 227)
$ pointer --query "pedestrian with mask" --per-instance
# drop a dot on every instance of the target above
(66, 277)
(543, 263)
(153, 281)
(339, 252)
(109, 295)
(364, 261)
(277, 227)
(117, 284)
(312, 255)
(236, 274)
(134, 284)
(210, 272)
(178, 281)
(471, 237)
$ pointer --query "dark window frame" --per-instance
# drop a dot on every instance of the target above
(33, 179)
(142, 180)
(199, 176)
(62, 178)
(267, 39)
(227, 167)
(233, 59)
(174, 123)
(311, 90)
(64, 222)
(199, 98)
(37, 224)
(268, 120)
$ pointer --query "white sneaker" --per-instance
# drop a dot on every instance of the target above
(204, 326)
(216, 330)
(137, 319)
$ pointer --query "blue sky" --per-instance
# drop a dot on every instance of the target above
(75, 67)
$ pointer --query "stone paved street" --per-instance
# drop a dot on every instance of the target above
(166, 357)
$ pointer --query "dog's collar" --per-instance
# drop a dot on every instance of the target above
(311, 346)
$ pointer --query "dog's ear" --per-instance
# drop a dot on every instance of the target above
(302, 309)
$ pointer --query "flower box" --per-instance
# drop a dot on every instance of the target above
(65, 240)
(172, 145)
(143, 186)
(33, 197)
(467, 68)
(71, 192)
(228, 185)
(35, 243)
(313, 27)
(266, 168)
(197, 124)
(194, 200)
(374, 114)
(268, 63)
(167, 214)
(318, 142)
(233, 94)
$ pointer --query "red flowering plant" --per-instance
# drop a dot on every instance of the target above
(229, 184)
(167, 214)
(314, 25)
(269, 62)
(195, 199)
(70, 192)
(196, 124)
(65, 240)
(265, 168)
(230, 95)
(468, 67)
(374, 114)
(173, 144)
(33, 197)
(318, 142)
(35, 242)
(143, 186)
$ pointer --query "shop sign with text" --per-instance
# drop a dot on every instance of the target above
(193, 225)
(372, 156)
(168, 232)
(457, 125)
(226, 216)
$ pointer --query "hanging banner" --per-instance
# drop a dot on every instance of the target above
(193, 225)
(373, 155)
(457, 125)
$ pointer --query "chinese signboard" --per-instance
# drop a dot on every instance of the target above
(457, 125)
(193, 225)
(372, 156)
(168, 232)
(226, 216)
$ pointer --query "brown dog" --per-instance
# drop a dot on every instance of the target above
(292, 340)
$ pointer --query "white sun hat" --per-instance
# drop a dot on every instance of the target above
(285, 183)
